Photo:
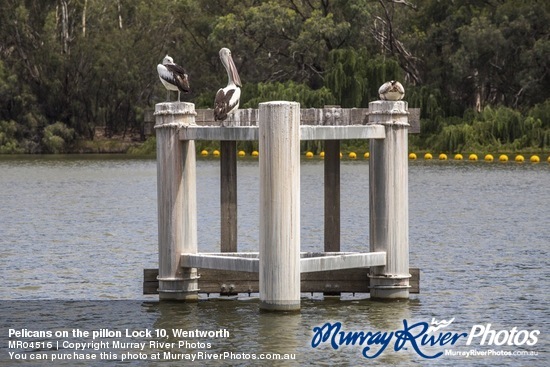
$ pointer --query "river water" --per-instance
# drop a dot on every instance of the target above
(77, 232)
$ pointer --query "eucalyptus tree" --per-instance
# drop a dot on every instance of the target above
(80, 64)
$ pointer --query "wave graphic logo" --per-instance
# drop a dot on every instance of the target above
(436, 325)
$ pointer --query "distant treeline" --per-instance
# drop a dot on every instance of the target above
(479, 70)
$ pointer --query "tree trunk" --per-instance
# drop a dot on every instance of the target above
(84, 18)
(65, 26)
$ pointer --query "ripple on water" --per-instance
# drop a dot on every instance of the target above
(84, 230)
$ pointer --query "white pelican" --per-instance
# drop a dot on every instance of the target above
(227, 99)
(391, 91)
(173, 76)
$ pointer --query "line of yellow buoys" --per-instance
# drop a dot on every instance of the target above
(487, 158)
(412, 156)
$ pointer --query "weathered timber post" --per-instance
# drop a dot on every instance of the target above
(279, 142)
(332, 195)
(388, 200)
(177, 203)
(228, 196)
(332, 117)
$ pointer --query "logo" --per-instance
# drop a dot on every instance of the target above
(502, 337)
(421, 337)
(436, 325)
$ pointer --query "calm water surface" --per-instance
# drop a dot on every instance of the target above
(76, 233)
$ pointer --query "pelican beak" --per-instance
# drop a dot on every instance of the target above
(233, 72)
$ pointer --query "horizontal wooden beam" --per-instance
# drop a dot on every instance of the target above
(220, 262)
(307, 132)
(223, 281)
(328, 116)
(309, 262)
(230, 133)
(346, 261)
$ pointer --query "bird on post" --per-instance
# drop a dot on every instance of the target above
(227, 99)
(391, 91)
(173, 77)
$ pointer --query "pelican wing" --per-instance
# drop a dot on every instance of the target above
(176, 69)
(384, 88)
(176, 75)
(223, 104)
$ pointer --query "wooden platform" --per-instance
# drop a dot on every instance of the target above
(279, 272)
(317, 117)
(309, 261)
(226, 281)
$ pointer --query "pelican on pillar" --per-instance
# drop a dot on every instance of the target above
(227, 99)
(173, 77)
(391, 91)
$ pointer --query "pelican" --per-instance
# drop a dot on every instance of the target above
(227, 99)
(173, 76)
(391, 91)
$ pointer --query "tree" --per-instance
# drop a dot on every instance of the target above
(93, 63)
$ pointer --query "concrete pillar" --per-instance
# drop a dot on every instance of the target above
(279, 142)
(177, 203)
(389, 201)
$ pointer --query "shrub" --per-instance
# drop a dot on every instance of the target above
(8, 140)
(58, 138)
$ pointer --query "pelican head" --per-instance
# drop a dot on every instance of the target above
(227, 61)
(167, 60)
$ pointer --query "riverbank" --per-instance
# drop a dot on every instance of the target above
(132, 145)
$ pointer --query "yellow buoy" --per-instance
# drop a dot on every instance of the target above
(443, 157)
(503, 158)
(428, 156)
(216, 153)
(534, 159)
(352, 155)
(489, 158)
(520, 158)
(341, 155)
(472, 157)
(459, 157)
(322, 154)
(412, 156)
(548, 159)
(204, 153)
(241, 153)
(255, 153)
(309, 155)
(367, 155)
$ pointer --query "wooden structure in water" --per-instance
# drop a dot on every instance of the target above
(280, 271)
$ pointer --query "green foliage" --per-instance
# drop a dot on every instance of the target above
(8, 141)
(478, 70)
(344, 79)
(58, 138)
(289, 91)
(149, 147)
(429, 100)
(499, 128)
(541, 112)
